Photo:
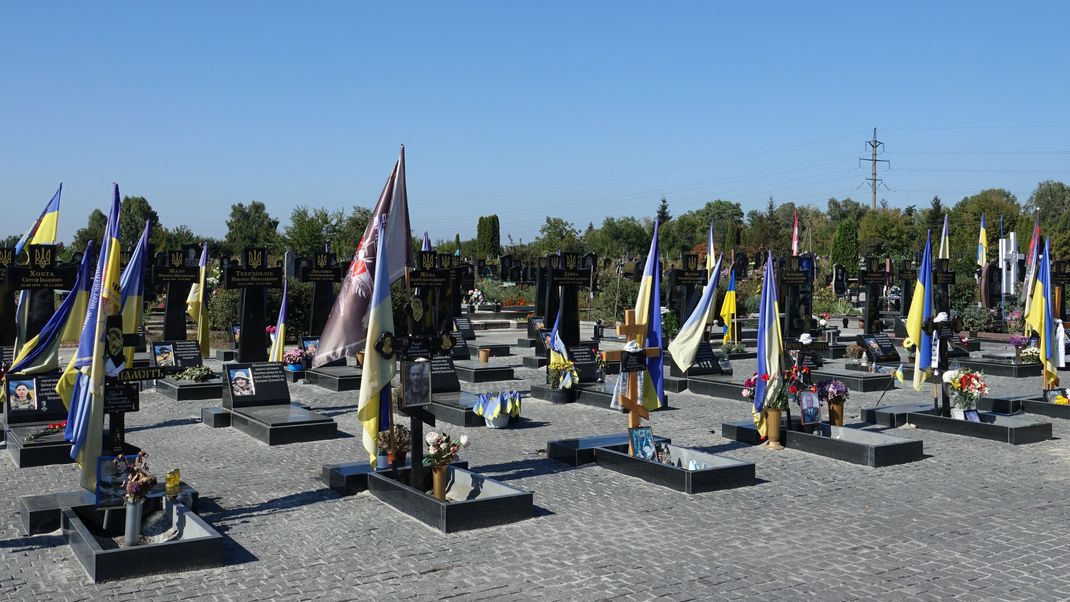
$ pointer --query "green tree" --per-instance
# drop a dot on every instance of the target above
(1051, 201)
(488, 237)
(175, 238)
(251, 226)
(764, 230)
(845, 246)
(884, 233)
(556, 234)
(663, 214)
(92, 231)
(847, 209)
(310, 230)
(965, 226)
(350, 232)
(618, 237)
(133, 211)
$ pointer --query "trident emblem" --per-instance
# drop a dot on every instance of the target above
(321, 260)
(256, 258)
(178, 259)
(42, 257)
(571, 259)
(7, 255)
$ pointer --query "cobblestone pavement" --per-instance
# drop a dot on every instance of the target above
(974, 520)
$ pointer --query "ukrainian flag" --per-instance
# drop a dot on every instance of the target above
(648, 311)
(558, 350)
(279, 343)
(1042, 321)
(195, 305)
(41, 353)
(982, 244)
(132, 283)
(710, 253)
(43, 231)
(728, 306)
(85, 417)
(373, 406)
(945, 242)
(685, 346)
(770, 344)
(921, 310)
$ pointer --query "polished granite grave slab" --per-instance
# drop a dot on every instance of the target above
(456, 408)
(472, 371)
(856, 381)
(197, 545)
(473, 501)
(893, 416)
(839, 443)
(334, 378)
(575, 452)
(534, 361)
(42, 451)
(716, 472)
(495, 349)
(281, 424)
(1001, 368)
(41, 513)
(187, 390)
(1024, 404)
(1014, 430)
(352, 478)
(717, 386)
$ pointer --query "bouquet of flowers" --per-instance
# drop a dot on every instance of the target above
(562, 374)
(966, 386)
(795, 380)
(403, 442)
(295, 356)
(1030, 355)
(832, 391)
(441, 449)
(197, 374)
(474, 297)
(1015, 321)
(52, 428)
(1019, 341)
(749, 386)
(269, 329)
(139, 481)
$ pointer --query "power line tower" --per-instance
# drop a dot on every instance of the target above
(874, 145)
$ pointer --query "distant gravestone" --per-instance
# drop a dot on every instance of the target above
(253, 276)
(586, 363)
(464, 326)
(873, 277)
(175, 356)
(878, 347)
(7, 300)
(176, 274)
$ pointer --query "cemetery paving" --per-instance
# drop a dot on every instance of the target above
(975, 520)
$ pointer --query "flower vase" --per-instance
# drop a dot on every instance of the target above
(1017, 355)
(400, 458)
(835, 413)
(501, 421)
(772, 429)
(132, 534)
(845, 321)
(438, 481)
(295, 367)
(484, 355)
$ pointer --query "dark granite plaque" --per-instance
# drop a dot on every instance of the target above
(176, 356)
(586, 364)
(946, 331)
(460, 350)
(7, 354)
(443, 375)
(166, 274)
(120, 398)
(878, 347)
(632, 361)
(247, 385)
(33, 398)
(240, 277)
(464, 326)
(793, 277)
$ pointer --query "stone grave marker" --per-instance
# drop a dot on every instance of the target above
(253, 276)
(323, 271)
(175, 271)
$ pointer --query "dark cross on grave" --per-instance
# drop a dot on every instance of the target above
(796, 289)
(7, 299)
(323, 271)
(908, 278)
(991, 293)
(120, 395)
(252, 276)
(542, 265)
(429, 310)
(839, 280)
(943, 278)
(176, 271)
(1060, 276)
(630, 400)
(685, 282)
(946, 333)
(460, 278)
(873, 277)
(40, 276)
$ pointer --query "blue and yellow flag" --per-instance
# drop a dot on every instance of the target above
(43, 230)
(85, 417)
(685, 346)
(921, 310)
(648, 311)
(1042, 320)
(728, 306)
(559, 351)
(373, 406)
(196, 307)
(982, 244)
(41, 353)
(945, 242)
(770, 341)
(278, 344)
(132, 284)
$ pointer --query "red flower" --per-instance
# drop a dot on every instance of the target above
(806, 371)
(813, 389)
(793, 389)
(765, 377)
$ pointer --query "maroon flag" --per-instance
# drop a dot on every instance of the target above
(347, 327)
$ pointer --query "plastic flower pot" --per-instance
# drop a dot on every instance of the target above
(500, 422)
(484, 355)
(772, 429)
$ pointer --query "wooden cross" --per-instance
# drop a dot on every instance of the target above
(630, 400)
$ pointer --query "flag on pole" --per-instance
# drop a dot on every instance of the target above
(1031, 269)
(945, 242)
(1042, 320)
(648, 311)
(982, 244)
(427, 243)
(373, 406)
(921, 310)
(196, 307)
(899, 374)
(41, 353)
(710, 253)
(728, 306)
(132, 283)
(85, 419)
(347, 326)
(558, 351)
(795, 235)
(278, 343)
(43, 230)
(770, 345)
(684, 347)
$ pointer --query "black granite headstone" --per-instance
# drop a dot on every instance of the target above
(873, 277)
(41, 276)
(323, 271)
(464, 326)
(176, 356)
(253, 277)
(586, 363)
(32, 398)
(7, 299)
(878, 347)
(176, 274)
(254, 384)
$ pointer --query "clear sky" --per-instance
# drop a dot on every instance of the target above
(570, 109)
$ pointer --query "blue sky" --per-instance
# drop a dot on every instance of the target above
(569, 109)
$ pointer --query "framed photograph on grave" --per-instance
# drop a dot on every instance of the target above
(110, 477)
(972, 416)
(538, 323)
(643, 443)
(22, 394)
(235, 334)
(241, 382)
(416, 383)
(809, 408)
(164, 354)
(872, 347)
(310, 344)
